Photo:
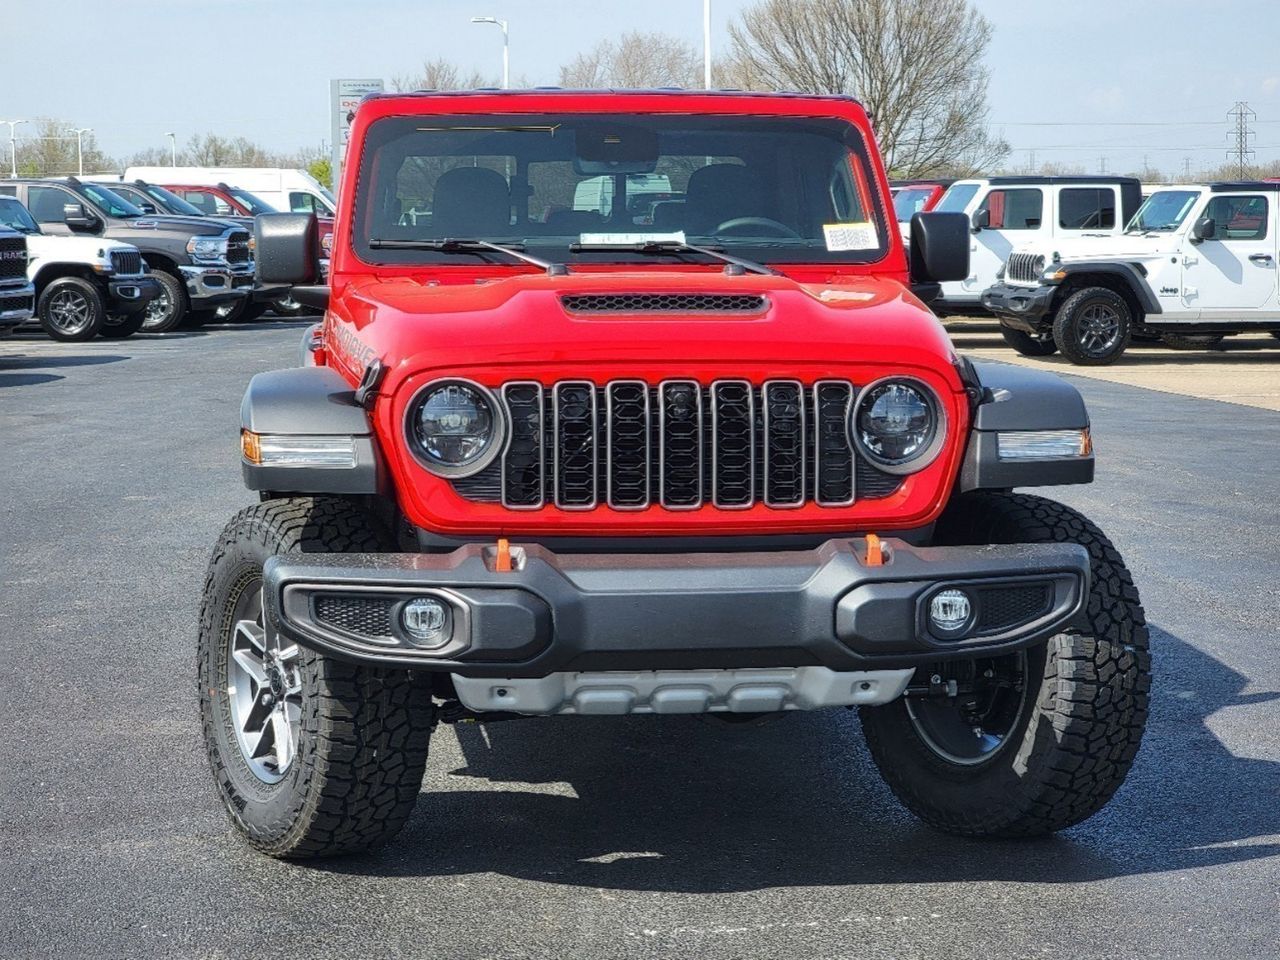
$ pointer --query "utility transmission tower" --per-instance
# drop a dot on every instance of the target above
(1102, 165)
(1240, 116)
(1186, 168)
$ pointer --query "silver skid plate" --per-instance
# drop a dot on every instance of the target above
(683, 691)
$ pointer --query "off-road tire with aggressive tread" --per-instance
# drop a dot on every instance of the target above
(1026, 344)
(1066, 333)
(362, 746)
(1085, 714)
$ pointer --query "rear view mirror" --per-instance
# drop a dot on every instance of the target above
(981, 219)
(287, 248)
(939, 248)
(614, 149)
(1206, 228)
(76, 217)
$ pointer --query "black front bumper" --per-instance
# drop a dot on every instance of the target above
(599, 612)
(1023, 308)
(130, 296)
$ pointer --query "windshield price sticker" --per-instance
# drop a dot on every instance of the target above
(629, 239)
(850, 236)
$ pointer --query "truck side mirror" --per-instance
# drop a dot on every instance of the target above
(981, 220)
(146, 206)
(287, 253)
(939, 251)
(1206, 228)
(76, 217)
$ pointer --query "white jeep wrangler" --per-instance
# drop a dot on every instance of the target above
(1011, 211)
(83, 286)
(1196, 263)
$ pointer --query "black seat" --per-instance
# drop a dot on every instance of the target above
(720, 192)
(471, 202)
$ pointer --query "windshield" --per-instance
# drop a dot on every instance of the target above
(1163, 211)
(570, 187)
(251, 203)
(909, 201)
(15, 216)
(957, 198)
(114, 204)
(170, 202)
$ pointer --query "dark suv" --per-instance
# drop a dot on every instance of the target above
(201, 264)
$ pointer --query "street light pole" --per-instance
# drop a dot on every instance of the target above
(506, 47)
(80, 132)
(706, 44)
(13, 148)
(173, 149)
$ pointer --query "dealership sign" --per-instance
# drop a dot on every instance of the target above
(344, 97)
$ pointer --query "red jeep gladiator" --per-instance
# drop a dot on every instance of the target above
(554, 453)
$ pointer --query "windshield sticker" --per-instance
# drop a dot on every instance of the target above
(629, 239)
(850, 236)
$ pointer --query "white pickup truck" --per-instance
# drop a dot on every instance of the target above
(1016, 211)
(83, 286)
(17, 297)
(1196, 263)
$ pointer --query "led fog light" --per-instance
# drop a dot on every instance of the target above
(949, 612)
(426, 622)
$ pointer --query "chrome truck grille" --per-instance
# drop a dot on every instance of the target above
(679, 445)
(1024, 268)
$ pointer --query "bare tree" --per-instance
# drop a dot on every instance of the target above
(915, 64)
(51, 152)
(637, 60)
(441, 74)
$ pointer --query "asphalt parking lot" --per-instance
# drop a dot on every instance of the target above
(656, 837)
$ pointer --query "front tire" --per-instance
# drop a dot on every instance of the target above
(71, 310)
(165, 312)
(1092, 327)
(1026, 344)
(1042, 739)
(312, 756)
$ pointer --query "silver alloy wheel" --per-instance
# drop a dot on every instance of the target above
(158, 310)
(70, 311)
(264, 689)
(969, 730)
(1099, 329)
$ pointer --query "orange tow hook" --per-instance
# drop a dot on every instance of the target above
(502, 558)
(875, 551)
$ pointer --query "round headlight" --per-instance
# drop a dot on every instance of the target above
(455, 427)
(898, 425)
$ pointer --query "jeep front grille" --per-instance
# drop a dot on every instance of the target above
(664, 303)
(126, 262)
(238, 247)
(680, 445)
(13, 257)
(1024, 268)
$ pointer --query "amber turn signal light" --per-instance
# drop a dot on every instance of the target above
(250, 446)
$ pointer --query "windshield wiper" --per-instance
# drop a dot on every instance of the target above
(657, 247)
(470, 245)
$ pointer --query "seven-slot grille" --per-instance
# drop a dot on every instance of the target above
(126, 262)
(13, 258)
(1022, 268)
(238, 247)
(681, 445)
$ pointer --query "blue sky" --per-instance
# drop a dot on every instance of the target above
(1073, 82)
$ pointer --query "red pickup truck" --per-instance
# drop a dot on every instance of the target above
(548, 455)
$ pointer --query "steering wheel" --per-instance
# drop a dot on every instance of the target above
(738, 225)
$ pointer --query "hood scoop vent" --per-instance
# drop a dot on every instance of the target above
(722, 303)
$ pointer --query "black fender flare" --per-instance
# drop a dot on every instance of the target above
(311, 402)
(1132, 275)
(1013, 398)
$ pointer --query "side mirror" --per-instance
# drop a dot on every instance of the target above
(76, 217)
(981, 220)
(146, 207)
(939, 248)
(287, 253)
(1206, 228)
